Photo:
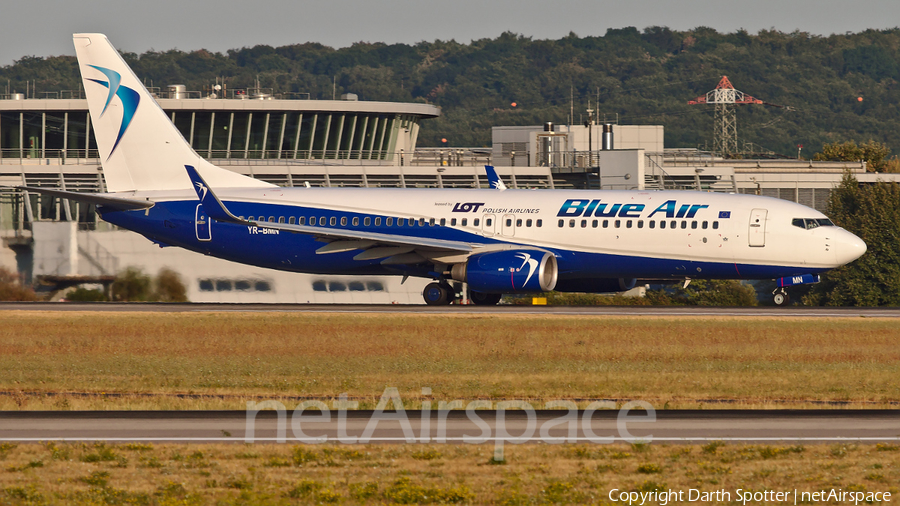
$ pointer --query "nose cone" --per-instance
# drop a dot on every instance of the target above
(848, 247)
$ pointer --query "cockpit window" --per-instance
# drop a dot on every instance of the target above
(811, 223)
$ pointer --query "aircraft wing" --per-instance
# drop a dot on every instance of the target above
(357, 239)
(375, 245)
(103, 199)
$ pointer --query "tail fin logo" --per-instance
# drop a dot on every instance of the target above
(129, 98)
(201, 190)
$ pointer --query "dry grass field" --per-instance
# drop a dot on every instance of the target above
(137, 474)
(145, 360)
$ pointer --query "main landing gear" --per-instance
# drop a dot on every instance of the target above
(438, 294)
(441, 294)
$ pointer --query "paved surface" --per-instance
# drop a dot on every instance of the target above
(818, 312)
(457, 427)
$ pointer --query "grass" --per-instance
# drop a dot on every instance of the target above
(222, 360)
(379, 474)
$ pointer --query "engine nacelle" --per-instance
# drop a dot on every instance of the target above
(508, 271)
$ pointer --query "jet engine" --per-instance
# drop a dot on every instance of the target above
(508, 271)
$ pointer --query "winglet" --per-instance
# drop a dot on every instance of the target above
(211, 203)
(493, 178)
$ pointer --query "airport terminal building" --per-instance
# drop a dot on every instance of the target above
(54, 243)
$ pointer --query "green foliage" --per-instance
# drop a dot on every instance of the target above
(873, 153)
(132, 285)
(705, 293)
(82, 294)
(872, 212)
(646, 77)
(11, 288)
(169, 287)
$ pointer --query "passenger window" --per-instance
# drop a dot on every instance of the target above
(539, 223)
(561, 223)
(519, 223)
(628, 224)
(640, 223)
(343, 221)
(367, 221)
(673, 224)
(475, 222)
(422, 222)
(715, 225)
(583, 223)
(488, 222)
(617, 223)
(431, 222)
(302, 220)
(443, 222)
(355, 221)
(662, 224)
(605, 223)
(271, 219)
(693, 224)
(312, 220)
(322, 221)
(250, 218)
(571, 223)
(333, 221)
(464, 220)
(594, 223)
(528, 223)
(291, 220)
(389, 222)
(281, 219)
(652, 224)
(705, 225)
(401, 222)
(683, 224)
(378, 221)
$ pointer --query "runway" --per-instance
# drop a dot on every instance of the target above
(697, 311)
(456, 427)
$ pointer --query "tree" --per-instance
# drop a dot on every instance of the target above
(132, 285)
(872, 212)
(873, 153)
(12, 290)
(169, 287)
(706, 293)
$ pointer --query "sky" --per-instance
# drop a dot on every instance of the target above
(45, 27)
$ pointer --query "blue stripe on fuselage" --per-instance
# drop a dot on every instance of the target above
(172, 223)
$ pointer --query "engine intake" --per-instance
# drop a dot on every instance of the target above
(508, 271)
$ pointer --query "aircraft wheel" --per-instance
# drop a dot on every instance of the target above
(781, 298)
(485, 299)
(436, 294)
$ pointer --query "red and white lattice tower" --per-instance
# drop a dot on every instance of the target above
(725, 98)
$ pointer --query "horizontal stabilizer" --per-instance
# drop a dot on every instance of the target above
(101, 199)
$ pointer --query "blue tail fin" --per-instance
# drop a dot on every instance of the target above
(493, 178)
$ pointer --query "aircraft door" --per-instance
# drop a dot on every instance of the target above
(508, 225)
(487, 225)
(202, 224)
(757, 232)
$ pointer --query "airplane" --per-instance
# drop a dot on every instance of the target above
(498, 240)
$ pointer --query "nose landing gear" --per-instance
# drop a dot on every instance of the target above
(780, 296)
